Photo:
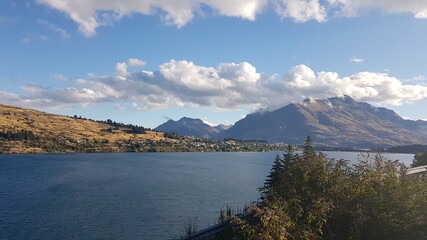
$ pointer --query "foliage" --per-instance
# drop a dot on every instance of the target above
(420, 159)
(132, 128)
(310, 196)
(18, 135)
(408, 149)
(173, 135)
(189, 230)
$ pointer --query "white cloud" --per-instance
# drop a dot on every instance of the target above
(23, 101)
(351, 7)
(136, 62)
(225, 87)
(357, 60)
(95, 13)
(62, 33)
(91, 14)
(419, 78)
(301, 10)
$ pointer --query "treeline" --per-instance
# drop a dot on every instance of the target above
(173, 135)
(131, 128)
(420, 159)
(409, 149)
(309, 196)
(18, 135)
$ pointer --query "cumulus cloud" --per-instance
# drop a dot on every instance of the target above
(224, 87)
(356, 60)
(364, 86)
(301, 10)
(91, 14)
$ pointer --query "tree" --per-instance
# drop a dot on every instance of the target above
(270, 185)
(314, 197)
(420, 159)
(308, 148)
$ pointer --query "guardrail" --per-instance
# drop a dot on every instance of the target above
(210, 232)
(417, 170)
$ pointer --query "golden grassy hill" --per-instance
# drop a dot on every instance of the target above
(60, 127)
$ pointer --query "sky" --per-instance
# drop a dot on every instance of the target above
(147, 61)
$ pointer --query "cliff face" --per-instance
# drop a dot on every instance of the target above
(335, 122)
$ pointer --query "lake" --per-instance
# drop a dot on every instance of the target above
(127, 195)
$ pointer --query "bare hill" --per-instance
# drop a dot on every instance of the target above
(58, 129)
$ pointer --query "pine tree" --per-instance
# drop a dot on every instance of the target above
(308, 148)
(273, 179)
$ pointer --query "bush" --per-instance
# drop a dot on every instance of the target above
(310, 196)
(420, 159)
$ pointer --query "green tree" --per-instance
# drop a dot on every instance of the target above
(420, 159)
(273, 179)
(310, 196)
(308, 148)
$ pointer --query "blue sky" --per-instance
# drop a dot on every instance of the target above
(145, 61)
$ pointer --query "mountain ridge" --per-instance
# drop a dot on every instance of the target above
(191, 127)
(332, 122)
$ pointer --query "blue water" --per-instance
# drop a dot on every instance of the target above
(126, 195)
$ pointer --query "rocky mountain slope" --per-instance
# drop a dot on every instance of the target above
(333, 122)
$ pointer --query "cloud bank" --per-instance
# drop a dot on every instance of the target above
(91, 14)
(227, 86)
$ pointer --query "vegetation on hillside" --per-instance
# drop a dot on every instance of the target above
(408, 149)
(30, 131)
(420, 159)
(309, 196)
(18, 135)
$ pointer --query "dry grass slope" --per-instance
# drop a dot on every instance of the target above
(60, 127)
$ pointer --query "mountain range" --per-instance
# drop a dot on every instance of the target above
(191, 127)
(332, 122)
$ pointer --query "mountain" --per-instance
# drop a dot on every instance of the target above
(191, 127)
(222, 127)
(332, 122)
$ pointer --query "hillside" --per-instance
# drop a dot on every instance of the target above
(31, 131)
(333, 122)
(60, 129)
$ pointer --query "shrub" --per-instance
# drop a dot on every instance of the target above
(310, 196)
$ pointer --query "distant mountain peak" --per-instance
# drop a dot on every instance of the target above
(337, 121)
(187, 126)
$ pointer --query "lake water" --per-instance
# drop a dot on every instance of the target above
(127, 195)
